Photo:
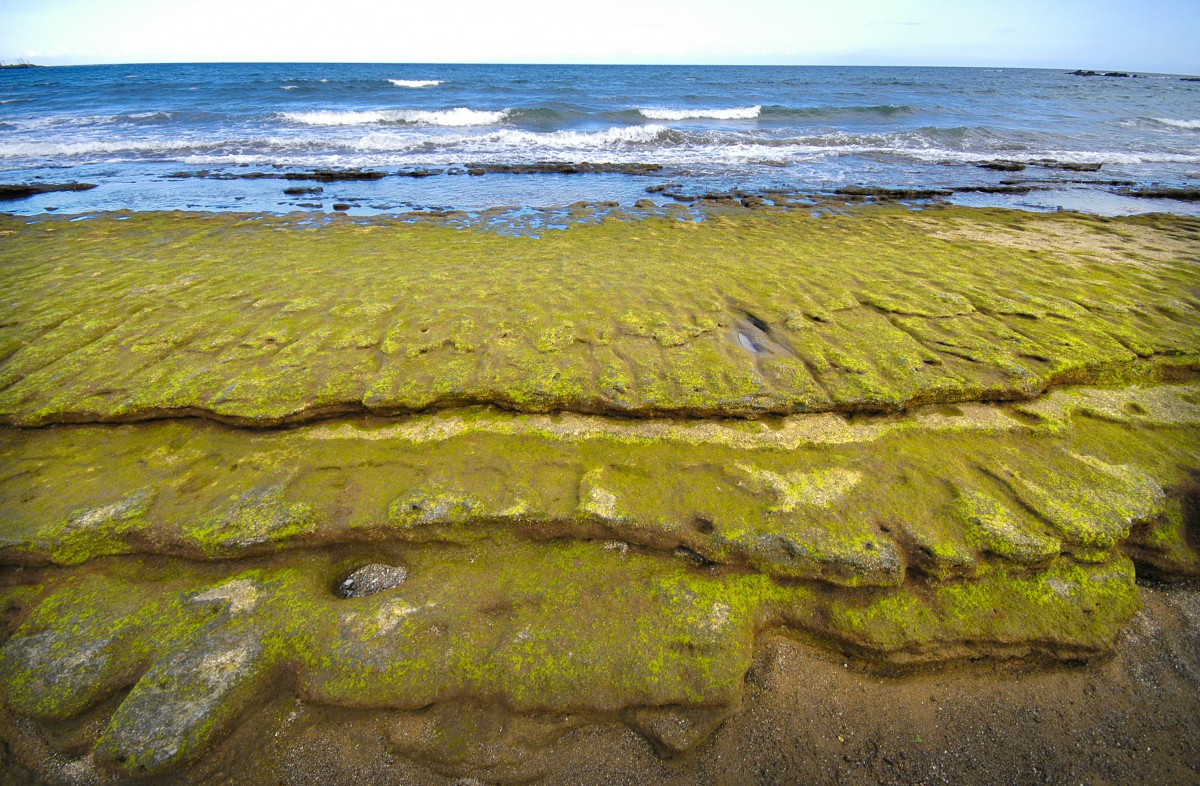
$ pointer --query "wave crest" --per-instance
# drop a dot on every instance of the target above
(416, 82)
(734, 113)
(458, 116)
(1166, 121)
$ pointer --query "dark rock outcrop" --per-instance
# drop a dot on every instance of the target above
(1182, 194)
(875, 192)
(10, 191)
(1002, 166)
(334, 175)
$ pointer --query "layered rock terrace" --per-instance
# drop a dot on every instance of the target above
(395, 466)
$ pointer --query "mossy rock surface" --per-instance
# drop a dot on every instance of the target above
(568, 564)
(808, 497)
(264, 320)
(909, 437)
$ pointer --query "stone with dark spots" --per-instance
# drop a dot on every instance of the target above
(371, 579)
(299, 190)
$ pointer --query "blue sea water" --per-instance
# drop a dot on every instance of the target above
(131, 129)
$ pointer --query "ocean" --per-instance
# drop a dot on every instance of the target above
(473, 137)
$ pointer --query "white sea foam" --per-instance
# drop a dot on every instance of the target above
(458, 116)
(735, 113)
(289, 87)
(1166, 121)
(513, 139)
(93, 148)
(416, 82)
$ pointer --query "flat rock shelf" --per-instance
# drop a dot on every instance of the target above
(466, 495)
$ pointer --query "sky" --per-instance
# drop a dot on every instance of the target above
(1149, 35)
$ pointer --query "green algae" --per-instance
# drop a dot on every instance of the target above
(554, 627)
(265, 322)
(1066, 606)
(573, 562)
(998, 529)
(936, 492)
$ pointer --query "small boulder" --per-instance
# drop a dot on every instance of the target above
(370, 579)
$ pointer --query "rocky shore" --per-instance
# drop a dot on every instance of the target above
(393, 502)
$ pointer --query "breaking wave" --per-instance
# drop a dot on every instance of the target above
(458, 116)
(416, 82)
(1166, 121)
(735, 113)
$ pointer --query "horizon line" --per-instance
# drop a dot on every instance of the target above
(1101, 70)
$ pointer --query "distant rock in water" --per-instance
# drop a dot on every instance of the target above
(1069, 166)
(1082, 72)
(23, 190)
(1182, 194)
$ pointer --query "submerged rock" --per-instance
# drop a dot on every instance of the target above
(1002, 166)
(1158, 192)
(335, 175)
(23, 190)
(877, 192)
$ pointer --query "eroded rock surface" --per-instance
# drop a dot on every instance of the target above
(264, 322)
(959, 434)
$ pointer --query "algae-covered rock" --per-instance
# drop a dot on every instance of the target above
(847, 501)
(185, 701)
(472, 543)
(1000, 530)
(562, 627)
(892, 308)
(1088, 501)
(254, 518)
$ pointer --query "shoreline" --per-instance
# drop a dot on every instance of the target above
(362, 193)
